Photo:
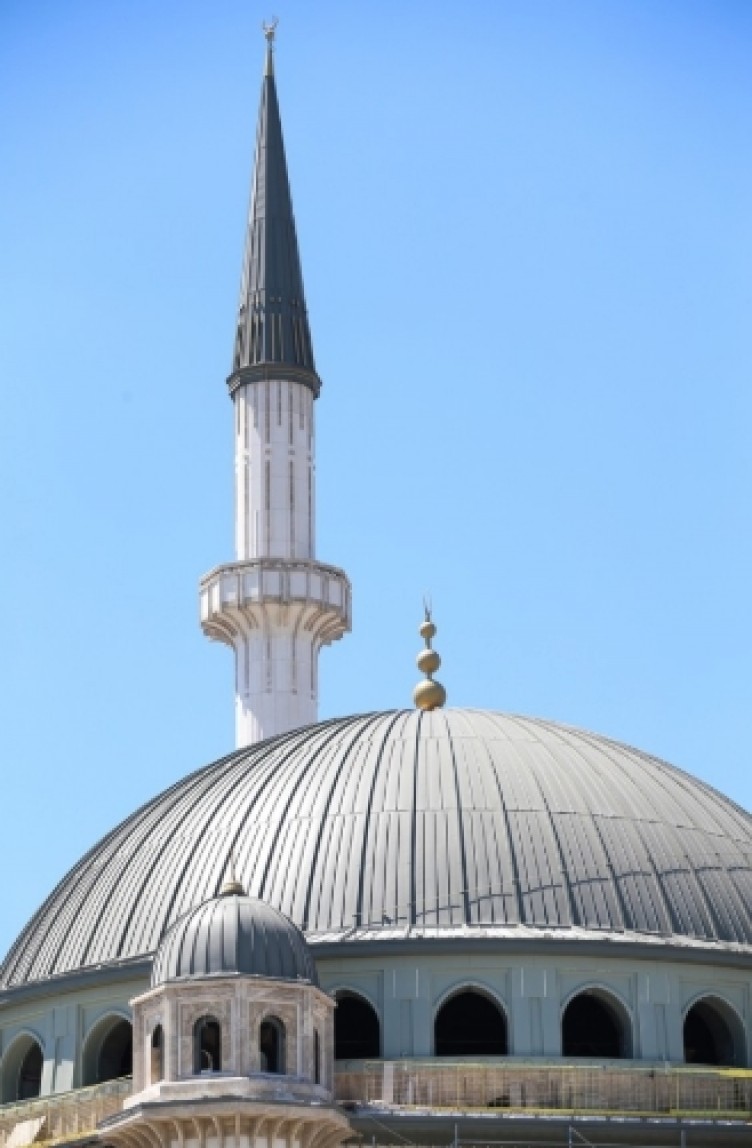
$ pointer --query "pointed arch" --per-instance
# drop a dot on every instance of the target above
(21, 1071)
(470, 1021)
(713, 1033)
(596, 1022)
(107, 1052)
(357, 1029)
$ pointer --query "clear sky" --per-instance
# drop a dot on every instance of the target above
(526, 233)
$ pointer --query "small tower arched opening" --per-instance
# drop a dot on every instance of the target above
(272, 1045)
(207, 1045)
(157, 1054)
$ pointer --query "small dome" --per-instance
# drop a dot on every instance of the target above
(233, 934)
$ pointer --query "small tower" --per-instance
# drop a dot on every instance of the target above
(275, 605)
(233, 1044)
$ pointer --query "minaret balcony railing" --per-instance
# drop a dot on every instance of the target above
(239, 595)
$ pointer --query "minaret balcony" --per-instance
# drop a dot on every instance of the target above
(239, 596)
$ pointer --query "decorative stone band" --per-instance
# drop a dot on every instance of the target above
(243, 596)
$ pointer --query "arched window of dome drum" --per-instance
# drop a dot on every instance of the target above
(30, 1073)
(21, 1070)
(316, 1057)
(594, 1024)
(207, 1045)
(357, 1033)
(108, 1052)
(712, 1035)
(157, 1053)
(470, 1024)
(272, 1045)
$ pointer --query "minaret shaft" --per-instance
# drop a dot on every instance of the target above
(275, 494)
(275, 604)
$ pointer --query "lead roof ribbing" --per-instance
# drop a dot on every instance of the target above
(444, 819)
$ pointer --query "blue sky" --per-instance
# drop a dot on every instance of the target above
(526, 239)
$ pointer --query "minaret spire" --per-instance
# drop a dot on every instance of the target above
(275, 605)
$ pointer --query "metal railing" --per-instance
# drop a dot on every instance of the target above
(535, 1086)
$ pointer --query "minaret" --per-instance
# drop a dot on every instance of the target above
(275, 605)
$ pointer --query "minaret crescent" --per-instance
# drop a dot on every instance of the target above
(275, 605)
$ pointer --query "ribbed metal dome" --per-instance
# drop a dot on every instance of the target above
(233, 934)
(452, 822)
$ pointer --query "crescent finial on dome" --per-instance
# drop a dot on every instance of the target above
(428, 694)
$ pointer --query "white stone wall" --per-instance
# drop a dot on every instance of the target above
(275, 605)
(275, 494)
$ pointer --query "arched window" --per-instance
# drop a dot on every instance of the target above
(30, 1073)
(207, 1045)
(596, 1024)
(712, 1034)
(470, 1024)
(357, 1035)
(108, 1052)
(157, 1054)
(22, 1070)
(272, 1045)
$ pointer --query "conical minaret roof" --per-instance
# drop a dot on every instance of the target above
(273, 338)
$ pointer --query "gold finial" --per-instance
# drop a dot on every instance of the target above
(232, 887)
(269, 30)
(428, 694)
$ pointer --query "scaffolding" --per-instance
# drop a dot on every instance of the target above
(549, 1088)
(433, 1086)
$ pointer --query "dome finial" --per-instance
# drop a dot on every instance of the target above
(428, 694)
(232, 887)
(269, 30)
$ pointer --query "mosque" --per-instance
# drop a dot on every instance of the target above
(428, 926)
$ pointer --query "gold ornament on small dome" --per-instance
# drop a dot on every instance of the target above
(232, 887)
(428, 694)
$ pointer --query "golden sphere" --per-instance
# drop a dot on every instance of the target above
(427, 630)
(429, 695)
(428, 661)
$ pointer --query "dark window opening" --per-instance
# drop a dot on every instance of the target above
(157, 1043)
(470, 1024)
(316, 1057)
(272, 1045)
(357, 1035)
(708, 1038)
(116, 1054)
(207, 1045)
(592, 1027)
(30, 1074)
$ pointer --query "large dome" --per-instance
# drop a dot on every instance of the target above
(444, 823)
